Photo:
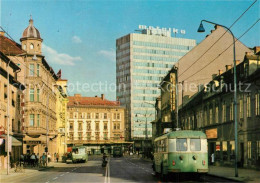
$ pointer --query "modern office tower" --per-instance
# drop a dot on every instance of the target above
(142, 60)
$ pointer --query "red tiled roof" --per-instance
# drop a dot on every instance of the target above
(91, 101)
(9, 47)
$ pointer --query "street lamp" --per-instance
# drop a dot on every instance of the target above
(201, 29)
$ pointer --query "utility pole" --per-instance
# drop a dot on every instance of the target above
(8, 120)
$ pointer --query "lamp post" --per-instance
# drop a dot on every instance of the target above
(201, 29)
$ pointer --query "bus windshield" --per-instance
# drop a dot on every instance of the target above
(195, 145)
(181, 144)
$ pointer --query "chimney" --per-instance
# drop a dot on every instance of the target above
(237, 62)
(2, 33)
(103, 96)
(213, 76)
(228, 67)
(257, 49)
(77, 95)
(220, 72)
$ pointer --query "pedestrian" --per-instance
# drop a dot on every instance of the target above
(21, 159)
(57, 157)
(33, 159)
(37, 159)
(44, 158)
(212, 158)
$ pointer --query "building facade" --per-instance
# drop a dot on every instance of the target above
(95, 122)
(9, 101)
(61, 113)
(212, 110)
(142, 60)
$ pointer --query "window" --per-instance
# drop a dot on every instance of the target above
(224, 112)
(258, 150)
(38, 95)
(88, 126)
(5, 91)
(105, 115)
(88, 136)
(249, 149)
(105, 126)
(71, 126)
(80, 136)
(31, 95)
(257, 103)
(248, 108)
(241, 107)
(118, 116)
(210, 115)
(24, 46)
(224, 150)
(181, 144)
(31, 71)
(97, 115)
(216, 114)
(114, 126)
(31, 46)
(114, 115)
(38, 120)
(71, 136)
(88, 116)
(105, 136)
(80, 126)
(231, 111)
(31, 119)
(97, 136)
(97, 126)
(118, 126)
(38, 69)
(195, 145)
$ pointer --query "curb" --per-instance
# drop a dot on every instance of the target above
(46, 168)
(228, 178)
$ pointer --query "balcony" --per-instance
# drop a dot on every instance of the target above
(35, 130)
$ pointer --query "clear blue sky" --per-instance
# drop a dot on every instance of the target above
(84, 32)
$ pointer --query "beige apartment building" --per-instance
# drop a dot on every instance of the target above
(61, 113)
(38, 101)
(95, 122)
(11, 90)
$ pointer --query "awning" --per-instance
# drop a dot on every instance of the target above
(15, 142)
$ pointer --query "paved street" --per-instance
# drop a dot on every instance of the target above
(124, 169)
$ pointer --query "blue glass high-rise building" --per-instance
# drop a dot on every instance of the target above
(142, 60)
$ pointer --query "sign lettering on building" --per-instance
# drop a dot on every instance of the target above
(212, 133)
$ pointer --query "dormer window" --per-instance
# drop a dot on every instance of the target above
(31, 46)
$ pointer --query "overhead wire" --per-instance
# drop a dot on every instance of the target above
(224, 50)
(219, 37)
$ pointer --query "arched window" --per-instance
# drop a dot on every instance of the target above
(24, 46)
(31, 46)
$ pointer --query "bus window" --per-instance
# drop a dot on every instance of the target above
(195, 145)
(172, 146)
(181, 144)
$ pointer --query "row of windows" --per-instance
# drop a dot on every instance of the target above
(150, 78)
(32, 95)
(83, 115)
(145, 98)
(159, 52)
(166, 59)
(116, 126)
(146, 91)
(96, 136)
(156, 65)
(150, 71)
(214, 115)
(162, 45)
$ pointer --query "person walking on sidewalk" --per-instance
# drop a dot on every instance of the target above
(33, 159)
(212, 158)
(44, 158)
(57, 157)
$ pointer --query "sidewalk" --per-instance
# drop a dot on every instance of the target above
(244, 175)
(26, 172)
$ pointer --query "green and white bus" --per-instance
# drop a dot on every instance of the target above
(181, 152)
